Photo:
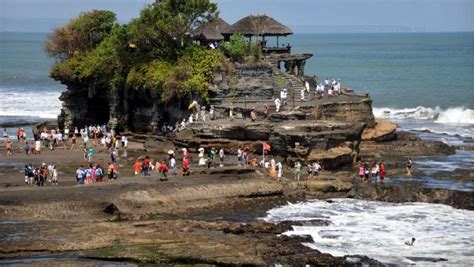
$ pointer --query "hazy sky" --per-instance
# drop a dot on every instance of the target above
(301, 15)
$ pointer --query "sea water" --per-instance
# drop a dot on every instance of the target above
(379, 230)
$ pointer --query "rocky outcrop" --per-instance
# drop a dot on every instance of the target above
(382, 131)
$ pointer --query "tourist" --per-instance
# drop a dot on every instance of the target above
(239, 156)
(410, 243)
(9, 147)
(316, 168)
(279, 169)
(27, 174)
(5, 134)
(326, 83)
(212, 113)
(38, 146)
(202, 160)
(297, 171)
(113, 156)
(99, 173)
(231, 114)
(382, 171)
(330, 92)
(374, 172)
(284, 96)
(162, 169)
(203, 113)
(18, 132)
(80, 175)
(212, 155)
(73, 142)
(26, 147)
(366, 171)
(50, 172)
(111, 172)
(186, 171)
(190, 119)
(361, 173)
(302, 93)
(137, 167)
(253, 114)
(55, 176)
(88, 175)
(277, 105)
(266, 111)
(309, 170)
(76, 132)
(221, 157)
(307, 87)
(409, 165)
(172, 162)
(146, 166)
(273, 171)
(90, 153)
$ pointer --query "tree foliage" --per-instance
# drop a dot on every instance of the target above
(81, 34)
(236, 48)
(153, 52)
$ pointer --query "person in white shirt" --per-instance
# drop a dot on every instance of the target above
(326, 83)
(221, 157)
(284, 96)
(279, 168)
(277, 105)
(190, 120)
(173, 166)
(306, 86)
(302, 94)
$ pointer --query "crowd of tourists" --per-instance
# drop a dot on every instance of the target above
(374, 172)
(39, 175)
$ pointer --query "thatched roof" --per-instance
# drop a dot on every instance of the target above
(258, 25)
(212, 30)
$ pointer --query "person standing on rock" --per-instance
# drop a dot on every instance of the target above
(9, 147)
(361, 173)
(253, 115)
(80, 175)
(266, 111)
(277, 105)
(302, 93)
(26, 147)
(239, 156)
(146, 166)
(382, 171)
(172, 162)
(186, 171)
(297, 171)
(284, 96)
(409, 165)
(137, 167)
(221, 157)
(279, 169)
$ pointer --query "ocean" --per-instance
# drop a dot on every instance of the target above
(422, 81)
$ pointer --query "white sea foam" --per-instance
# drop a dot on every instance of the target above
(379, 230)
(455, 115)
(43, 104)
(451, 121)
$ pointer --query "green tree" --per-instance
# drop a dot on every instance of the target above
(81, 34)
(163, 29)
(236, 48)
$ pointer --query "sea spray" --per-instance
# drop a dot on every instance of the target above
(379, 229)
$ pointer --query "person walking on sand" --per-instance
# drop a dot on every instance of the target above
(186, 167)
(137, 167)
(26, 147)
(90, 154)
(297, 171)
(9, 147)
(55, 176)
(409, 165)
(173, 166)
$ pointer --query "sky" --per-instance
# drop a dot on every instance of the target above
(303, 16)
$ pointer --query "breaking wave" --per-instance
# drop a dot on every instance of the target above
(454, 115)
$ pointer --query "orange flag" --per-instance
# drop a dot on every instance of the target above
(266, 147)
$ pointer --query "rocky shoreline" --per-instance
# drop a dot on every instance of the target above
(211, 217)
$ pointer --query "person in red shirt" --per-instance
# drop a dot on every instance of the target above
(137, 167)
(146, 166)
(163, 168)
(186, 167)
(381, 171)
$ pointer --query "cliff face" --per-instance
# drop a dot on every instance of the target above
(327, 129)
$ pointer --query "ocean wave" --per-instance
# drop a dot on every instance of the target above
(454, 115)
(40, 103)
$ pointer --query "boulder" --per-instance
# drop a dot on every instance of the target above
(333, 158)
(383, 131)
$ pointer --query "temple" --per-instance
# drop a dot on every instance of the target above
(260, 27)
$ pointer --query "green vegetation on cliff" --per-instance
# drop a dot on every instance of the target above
(153, 52)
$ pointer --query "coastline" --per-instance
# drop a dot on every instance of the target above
(218, 208)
